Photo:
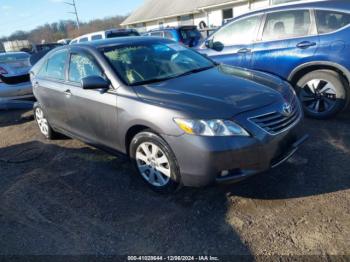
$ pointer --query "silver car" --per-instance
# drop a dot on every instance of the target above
(14, 77)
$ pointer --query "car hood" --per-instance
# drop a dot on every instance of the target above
(223, 91)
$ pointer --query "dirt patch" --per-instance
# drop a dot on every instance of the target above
(66, 198)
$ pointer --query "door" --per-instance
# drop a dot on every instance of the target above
(92, 113)
(49, 91)
(287, 39)
(237, 38)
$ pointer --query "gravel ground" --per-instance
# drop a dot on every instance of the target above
(66, 198)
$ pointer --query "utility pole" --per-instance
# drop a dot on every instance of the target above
(75, 11)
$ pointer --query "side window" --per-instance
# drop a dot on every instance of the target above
(73, 42)
(85, 39)
(287, 24)
(81, 66)
(56, 65)
(238, 32)
(158, 34)
(42, 70)
(330, 21)
(96, 37)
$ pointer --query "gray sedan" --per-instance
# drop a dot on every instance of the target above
(14, 77)
(182, 118)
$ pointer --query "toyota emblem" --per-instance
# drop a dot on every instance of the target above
(287, 109)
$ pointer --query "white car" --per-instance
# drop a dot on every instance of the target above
(14, 77)
(112, 33)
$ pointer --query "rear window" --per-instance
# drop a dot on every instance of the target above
(13, 57)
(168, 35)
(330, 21)
(122, 34)
(189, 33)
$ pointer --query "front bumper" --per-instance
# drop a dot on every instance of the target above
(205, 160)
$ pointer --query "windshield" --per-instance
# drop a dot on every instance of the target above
(13, 57)
(154, 62)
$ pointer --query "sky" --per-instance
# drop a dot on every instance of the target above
(28, 14)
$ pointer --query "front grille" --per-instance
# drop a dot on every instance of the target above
(276, 122)
(15, 79)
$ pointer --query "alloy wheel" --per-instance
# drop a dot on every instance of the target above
(153, 164)
(42, 122)
(318, 96)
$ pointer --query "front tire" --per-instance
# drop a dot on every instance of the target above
(323, 93)
(155, 162)
(44, 126)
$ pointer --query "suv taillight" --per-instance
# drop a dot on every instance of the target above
(3, 71)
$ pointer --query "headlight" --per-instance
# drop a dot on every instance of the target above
(214, 127)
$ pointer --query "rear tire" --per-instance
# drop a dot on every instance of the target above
(323, 93)
(155, 162)
(43, 124)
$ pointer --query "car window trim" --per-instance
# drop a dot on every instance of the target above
(81, 52)
(329, 10)
(310, 33)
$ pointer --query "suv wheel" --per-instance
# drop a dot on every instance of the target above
(43, 124)
(322, 93)
(155, 162)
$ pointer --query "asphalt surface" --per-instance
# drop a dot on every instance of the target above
(65, 198)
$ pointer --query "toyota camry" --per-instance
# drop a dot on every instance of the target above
(180, 117)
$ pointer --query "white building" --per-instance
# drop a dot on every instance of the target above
(155, 14)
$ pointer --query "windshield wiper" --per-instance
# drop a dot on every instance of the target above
(156, 80)
(196, 70)
(151, 81)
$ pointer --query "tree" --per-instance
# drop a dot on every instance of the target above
(64, 29)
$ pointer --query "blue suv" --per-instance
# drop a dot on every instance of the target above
(187, 35)
(307, 44)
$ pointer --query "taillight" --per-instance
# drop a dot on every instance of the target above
(3, 71)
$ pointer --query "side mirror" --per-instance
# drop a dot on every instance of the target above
(94, 82)
(218, 46)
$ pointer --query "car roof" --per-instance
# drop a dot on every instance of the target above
(13, 53)
(122, 41)
(340, 5)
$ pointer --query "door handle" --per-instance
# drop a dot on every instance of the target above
(67, 93)
(244, 50)
(305, 44)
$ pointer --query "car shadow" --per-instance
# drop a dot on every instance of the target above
(72, 201)
(15, 117)
(321, 166)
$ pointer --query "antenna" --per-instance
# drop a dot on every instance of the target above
(75, 11)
